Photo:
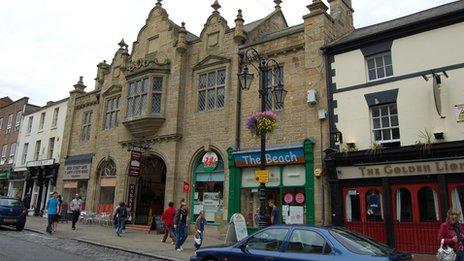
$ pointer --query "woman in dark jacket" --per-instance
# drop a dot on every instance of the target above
(450, 232)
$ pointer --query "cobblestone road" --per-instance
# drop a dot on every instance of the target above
(32, 246)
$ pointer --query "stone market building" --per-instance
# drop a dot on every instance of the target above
(166, 120)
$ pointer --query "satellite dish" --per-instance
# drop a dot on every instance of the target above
(437, 93)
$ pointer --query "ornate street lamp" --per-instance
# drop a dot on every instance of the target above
(265, 66)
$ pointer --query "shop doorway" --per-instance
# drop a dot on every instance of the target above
(151, 187)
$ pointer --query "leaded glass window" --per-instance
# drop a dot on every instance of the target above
(211, 90)
(137, 98)
(157, 94)
(112, 113)
(274, 77)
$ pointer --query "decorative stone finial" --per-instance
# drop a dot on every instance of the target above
(79, 86)
(182, 41)
(158, 3)
(216, 6)
(122, 44)
(317, 7)
(239, 15)
(81, 80)
(277, 2)
(240, 35)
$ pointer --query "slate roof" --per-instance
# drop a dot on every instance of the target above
(436, 12)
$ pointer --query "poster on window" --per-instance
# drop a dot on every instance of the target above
(296, 215)
(211, 201)
(459, 112)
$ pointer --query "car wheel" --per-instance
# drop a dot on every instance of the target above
(209, 258)
(20, 228)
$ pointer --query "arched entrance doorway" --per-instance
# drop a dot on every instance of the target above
(150, 189)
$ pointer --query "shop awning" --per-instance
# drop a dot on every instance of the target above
(78, 159)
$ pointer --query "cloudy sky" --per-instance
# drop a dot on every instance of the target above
(47, 44)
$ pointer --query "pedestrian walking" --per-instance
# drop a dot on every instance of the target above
(27, 201)
(275, 213)
(75, 207)
(52, 211)
(58, 213)
(450, 234)
(180, 224)
(200, 227)
(168, 220)
(120, 217)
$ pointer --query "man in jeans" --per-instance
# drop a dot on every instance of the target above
(75, 206)
(52, 211)
(180, 224)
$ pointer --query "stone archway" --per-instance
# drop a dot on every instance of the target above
(151, 186)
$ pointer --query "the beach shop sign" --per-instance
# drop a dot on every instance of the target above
(273, 157)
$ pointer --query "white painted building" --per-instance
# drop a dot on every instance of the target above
(396, 101)
(38, 153)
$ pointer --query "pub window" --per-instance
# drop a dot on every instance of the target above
(211, 90)
(374, 205)
(352, 206)
(157, 94)
(457, 199)
(403, 205)
(428, 205)
(379, 66)
(385, 126)
(137, 98)
(274, 77)
(112, 112)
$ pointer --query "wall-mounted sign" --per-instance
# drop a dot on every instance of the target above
(459, 112)
(38, 163)
(288, 198)
(186, 187)
(209, 161)
(402, 169)
(300, 198)
(77, 171)
(136, 157)
(273, 157)
(131, 196)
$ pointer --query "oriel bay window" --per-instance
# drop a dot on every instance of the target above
(211, 90)
(145, 96)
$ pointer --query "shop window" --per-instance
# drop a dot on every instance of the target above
(268, 240)
(293, 205)
(353, 206)
(374, 205)
(73, 187)
(457, 199)
(106, 199)
(294, 175)
(428, 205)
(307, 242)
(403, 205)
(209, 187)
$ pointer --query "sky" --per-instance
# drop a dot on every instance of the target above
(47, 44)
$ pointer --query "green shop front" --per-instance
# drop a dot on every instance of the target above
(291, 183)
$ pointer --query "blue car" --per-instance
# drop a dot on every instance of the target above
(299, 242)
(12, 213)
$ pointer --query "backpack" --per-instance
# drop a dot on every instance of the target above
(122, 212)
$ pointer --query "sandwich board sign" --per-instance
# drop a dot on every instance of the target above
(237, 229)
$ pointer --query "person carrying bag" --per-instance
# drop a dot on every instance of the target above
(451, 238)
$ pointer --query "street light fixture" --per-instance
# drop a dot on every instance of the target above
(265, 66)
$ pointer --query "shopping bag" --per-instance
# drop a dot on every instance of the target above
(445, 254)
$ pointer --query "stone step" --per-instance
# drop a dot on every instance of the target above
(144, 228)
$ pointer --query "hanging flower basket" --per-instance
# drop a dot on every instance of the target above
(261, 123)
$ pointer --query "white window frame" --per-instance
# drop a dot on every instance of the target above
(12, 153)
(205, 86)
(42, 121)
(19, 115)
(3, 156)
(381, 127)
(24, 156)
(56, 111)
(112, 113)
(51, 147)
(9, 124)
(1, 123)
(29, 124)
(38, 144)
(373, 57)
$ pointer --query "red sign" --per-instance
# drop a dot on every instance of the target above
(131, 197)
(186, 187)
(209, 160)
(136, 157)
(299, 198)
(288, 198)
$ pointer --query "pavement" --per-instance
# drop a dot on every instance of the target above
(135, 242)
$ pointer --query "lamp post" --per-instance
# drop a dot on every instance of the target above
(265, 66)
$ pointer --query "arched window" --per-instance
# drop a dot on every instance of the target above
(353, 208)
(107, 169)
(107, 173)
(403, 205)
(428, 204)
(374, 205)
(457, 199)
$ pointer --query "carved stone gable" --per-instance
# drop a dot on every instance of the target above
(211, 60)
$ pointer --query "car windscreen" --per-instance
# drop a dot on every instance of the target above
(9, 202)
(359, 244)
